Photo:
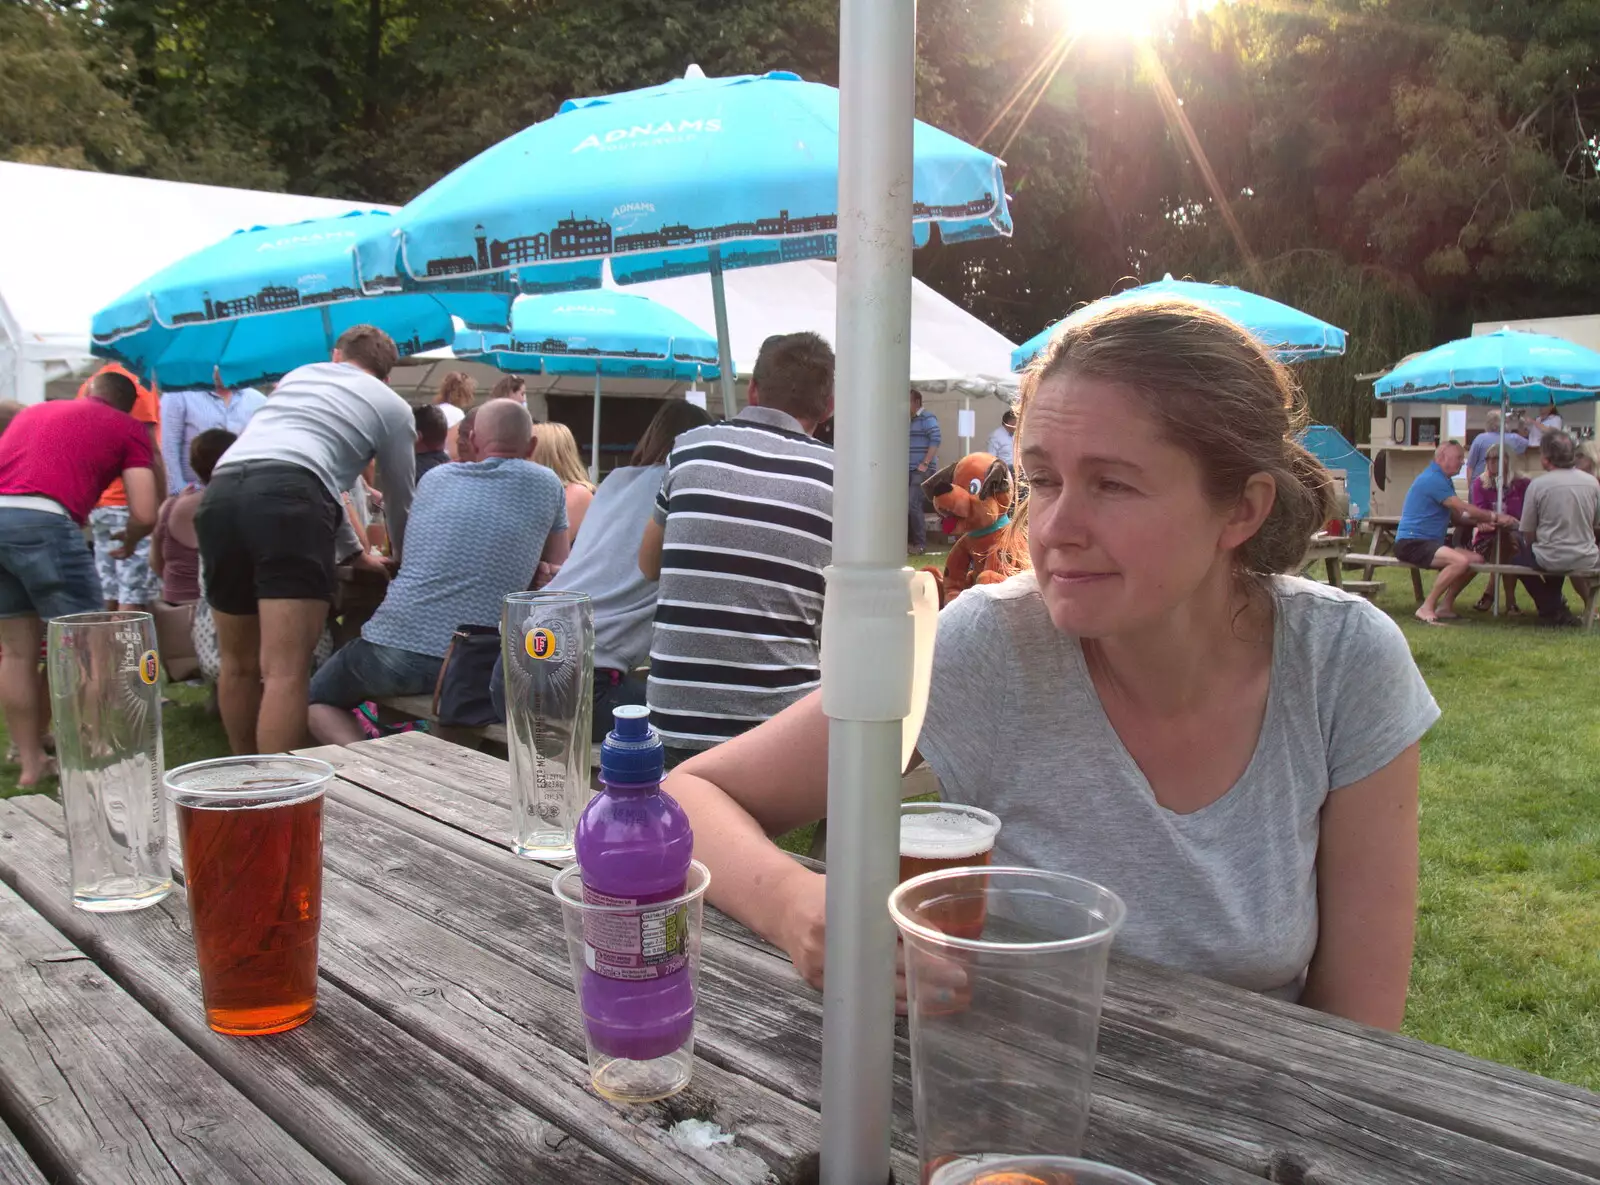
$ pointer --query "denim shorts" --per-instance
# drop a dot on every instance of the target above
(363, 670)
(46, 567)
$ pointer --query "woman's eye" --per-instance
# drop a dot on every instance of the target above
(1112, 486)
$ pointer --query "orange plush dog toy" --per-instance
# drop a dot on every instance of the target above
(973, 497)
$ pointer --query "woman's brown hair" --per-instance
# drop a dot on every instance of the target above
(675, 418)
(1216, 394)
(458, 388)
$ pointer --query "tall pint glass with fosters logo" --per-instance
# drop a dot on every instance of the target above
(547, 649)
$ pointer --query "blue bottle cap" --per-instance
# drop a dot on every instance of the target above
(632, 753)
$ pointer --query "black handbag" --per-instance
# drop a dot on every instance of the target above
(461, 697)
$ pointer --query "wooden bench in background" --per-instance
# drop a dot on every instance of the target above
(1587, 583)
(403, 708)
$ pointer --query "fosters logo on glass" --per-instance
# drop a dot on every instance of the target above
(546, 641)
(149, 667)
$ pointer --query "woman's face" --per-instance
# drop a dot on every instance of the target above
(1119, 529)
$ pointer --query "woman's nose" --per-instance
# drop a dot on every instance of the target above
(1063, 522)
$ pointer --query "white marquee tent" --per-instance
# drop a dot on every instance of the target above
(956, 360)
(71, 241)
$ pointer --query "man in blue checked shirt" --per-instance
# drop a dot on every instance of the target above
(186, 414)
(924, 451)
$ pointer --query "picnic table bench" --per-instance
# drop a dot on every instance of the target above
(1331, 551)
(446, 1047)
(1588, 590)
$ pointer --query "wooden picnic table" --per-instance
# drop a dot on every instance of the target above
(1330, 550)
(1382, 530)
(446, 1046)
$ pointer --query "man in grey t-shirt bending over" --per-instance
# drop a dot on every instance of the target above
(271, 528)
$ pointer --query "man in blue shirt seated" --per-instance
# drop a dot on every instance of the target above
(1431, 506)
(477, 532)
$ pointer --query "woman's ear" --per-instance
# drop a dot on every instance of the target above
(1250, 511)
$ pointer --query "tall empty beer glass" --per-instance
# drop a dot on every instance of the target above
(105, 694)
(251, 829)
(547, 640)
(1004, 1020)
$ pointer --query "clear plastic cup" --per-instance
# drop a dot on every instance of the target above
(547, 648)
(105, 694)
(1033, 1170)
(1005, 971)
(639, 1035)
(251, 830)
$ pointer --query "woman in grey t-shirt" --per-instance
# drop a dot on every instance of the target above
(1156, 705)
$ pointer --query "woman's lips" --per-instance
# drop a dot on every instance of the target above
(1079, 579)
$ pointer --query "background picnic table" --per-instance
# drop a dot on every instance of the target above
(447, 1047)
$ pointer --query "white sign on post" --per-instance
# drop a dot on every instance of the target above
(698, 398)
(1456, 423)
(966, 423)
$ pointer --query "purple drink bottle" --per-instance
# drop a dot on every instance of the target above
(634, 847)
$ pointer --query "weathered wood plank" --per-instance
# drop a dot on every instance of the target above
(424, 802)
(104, 1090)
(368, 1099)
(1552, 1121)
(451, 994)
(519, 1029)
(16, 1166)
(1305, 1090)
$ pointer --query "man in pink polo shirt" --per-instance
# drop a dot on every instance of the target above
(56, 459)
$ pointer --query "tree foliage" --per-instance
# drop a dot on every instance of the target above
(1399, 167)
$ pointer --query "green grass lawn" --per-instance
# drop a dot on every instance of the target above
(1508, 936)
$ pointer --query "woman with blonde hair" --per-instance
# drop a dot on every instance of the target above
(1158, 704)
(458, 391)
(555, 448)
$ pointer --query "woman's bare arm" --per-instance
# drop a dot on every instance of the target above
(1367, 897)
(740, 794)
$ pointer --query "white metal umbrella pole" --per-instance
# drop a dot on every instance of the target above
(719, 310)
(867, 636)
(594, 447)
(1499, 491)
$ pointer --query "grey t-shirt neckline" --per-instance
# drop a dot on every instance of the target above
(1095, 708)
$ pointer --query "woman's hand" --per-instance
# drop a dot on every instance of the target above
(803, 936)
(801, 929)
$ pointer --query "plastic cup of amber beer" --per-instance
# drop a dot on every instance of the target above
(1031, 1170)
(251, 833)
(938, 835)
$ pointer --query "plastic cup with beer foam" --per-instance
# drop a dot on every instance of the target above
(1032, 1170)
(251, 833)
(935, 835)
(1009, 1071)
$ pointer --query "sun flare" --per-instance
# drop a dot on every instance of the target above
(1128, 18)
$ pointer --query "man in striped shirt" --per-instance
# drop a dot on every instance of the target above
(743, 528)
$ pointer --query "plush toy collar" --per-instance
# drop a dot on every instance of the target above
(999, 524)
